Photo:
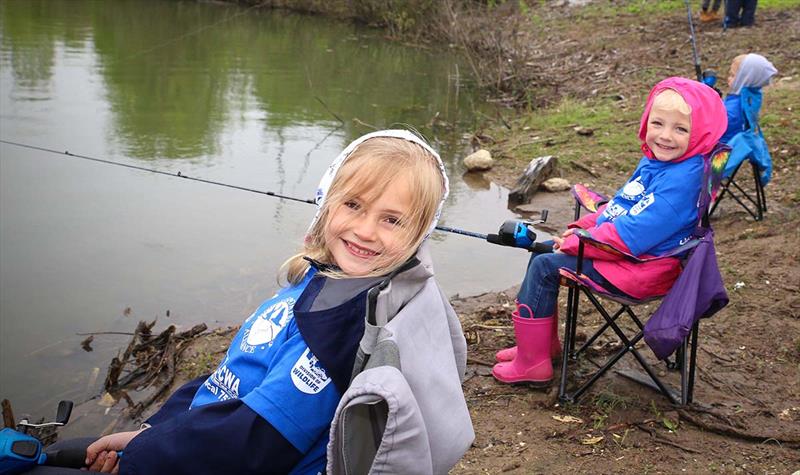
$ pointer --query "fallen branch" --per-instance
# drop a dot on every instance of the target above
(664, 441)
(727, 430)
(480, 362)
(150, 359)
(8, 415)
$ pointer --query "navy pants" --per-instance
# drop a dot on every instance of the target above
(539, 289)
(740, 12)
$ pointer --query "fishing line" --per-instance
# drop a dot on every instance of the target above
(203, 180)
(153, 170)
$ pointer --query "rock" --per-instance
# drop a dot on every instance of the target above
(537, 171)
(479, 161)
(555, 184)
(585, 131)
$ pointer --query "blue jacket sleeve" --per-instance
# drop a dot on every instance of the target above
(224, 437)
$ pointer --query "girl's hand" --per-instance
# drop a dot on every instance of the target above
(101, 455)
(106, 462)
(557, 242)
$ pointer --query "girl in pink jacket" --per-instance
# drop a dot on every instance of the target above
(655, 211)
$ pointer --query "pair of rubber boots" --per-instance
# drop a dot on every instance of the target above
(531, 361)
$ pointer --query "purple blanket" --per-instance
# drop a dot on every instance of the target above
(698, 293)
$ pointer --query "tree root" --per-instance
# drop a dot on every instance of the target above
(148, 360)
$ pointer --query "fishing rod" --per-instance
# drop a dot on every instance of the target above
(512, 233)
(709, 76)
(697, 69)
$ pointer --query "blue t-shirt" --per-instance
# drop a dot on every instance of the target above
(657, 209)
(271, 369)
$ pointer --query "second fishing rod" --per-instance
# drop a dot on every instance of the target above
(512, 233)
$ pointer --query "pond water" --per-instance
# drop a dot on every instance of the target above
(255, 98)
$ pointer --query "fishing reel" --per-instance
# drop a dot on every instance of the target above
(19, 452)
(517, 233)
(710, 80)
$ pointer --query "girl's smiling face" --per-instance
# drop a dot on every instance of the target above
(363, 235)
(668, 134)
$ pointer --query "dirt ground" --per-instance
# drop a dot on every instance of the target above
(746, 416)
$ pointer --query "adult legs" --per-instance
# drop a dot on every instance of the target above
(733, 13)
(748, 12)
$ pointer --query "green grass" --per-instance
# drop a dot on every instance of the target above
(780, 120)
(552, 131)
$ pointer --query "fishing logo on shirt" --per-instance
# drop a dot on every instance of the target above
(308, 375)
(266, 325)
(642, 204)
(633, 189)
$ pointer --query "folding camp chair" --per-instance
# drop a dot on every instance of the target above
(748, 146)
(686, 338)
(754, 201)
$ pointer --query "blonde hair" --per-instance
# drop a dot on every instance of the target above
(365, 174)
(671, 100)
(735, 64)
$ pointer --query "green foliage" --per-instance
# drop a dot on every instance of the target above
(398, 16)
(552, 132)
(604, 404)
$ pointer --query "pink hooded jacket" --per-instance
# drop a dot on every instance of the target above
(654, 278)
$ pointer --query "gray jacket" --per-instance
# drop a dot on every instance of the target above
(404, 411)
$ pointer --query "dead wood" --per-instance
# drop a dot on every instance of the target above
(662, 440)
(148, 361)
(538, 170)
(8, 414)
(728, 430)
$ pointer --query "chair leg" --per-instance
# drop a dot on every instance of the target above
(755, 205)
(692, 363)
(761, 200)
(599, 332)
(569, 342)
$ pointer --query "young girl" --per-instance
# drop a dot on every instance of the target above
(269, 405)
(748, 74)
(654, 212)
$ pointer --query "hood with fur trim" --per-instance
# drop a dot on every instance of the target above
(709, 119)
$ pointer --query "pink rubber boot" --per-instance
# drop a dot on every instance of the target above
(532, 364)
(509, 354)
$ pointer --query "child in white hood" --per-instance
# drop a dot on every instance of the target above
(269, 406)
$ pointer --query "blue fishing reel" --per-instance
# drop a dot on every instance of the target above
(19, 452)
(516, 233)
(710, 78)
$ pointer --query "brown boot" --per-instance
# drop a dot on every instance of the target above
(715, 16)
(706, 16)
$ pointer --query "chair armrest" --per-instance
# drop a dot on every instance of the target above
(588, 199)
(585, 237)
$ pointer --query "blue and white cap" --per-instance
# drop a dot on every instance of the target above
(330, 173)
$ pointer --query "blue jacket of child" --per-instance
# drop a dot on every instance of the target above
(268, 406)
